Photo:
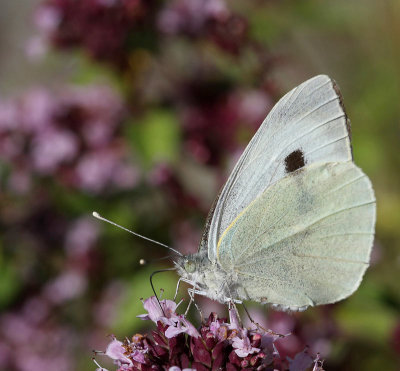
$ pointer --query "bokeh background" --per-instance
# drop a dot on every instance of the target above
(139, 109)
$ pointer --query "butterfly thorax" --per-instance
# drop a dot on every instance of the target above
(208, 278)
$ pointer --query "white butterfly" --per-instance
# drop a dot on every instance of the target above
(294, 224)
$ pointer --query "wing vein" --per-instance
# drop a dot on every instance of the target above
(328, 144)
(348, 183)
(300, 90)
(295, 140)
(331, 258)
(315, 109)
(277, 156)
(309, 225)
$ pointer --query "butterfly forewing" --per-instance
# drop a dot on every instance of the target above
(306, 240)
(308, 125)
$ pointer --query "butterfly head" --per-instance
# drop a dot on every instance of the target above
(186, 266)
(208, 278)
(189, 266)
(192, 267)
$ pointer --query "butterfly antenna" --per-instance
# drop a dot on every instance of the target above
(98, 216)
(144, 261)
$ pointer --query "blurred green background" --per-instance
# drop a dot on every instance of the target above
(139, 109)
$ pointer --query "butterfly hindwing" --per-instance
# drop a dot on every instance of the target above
(306, 240)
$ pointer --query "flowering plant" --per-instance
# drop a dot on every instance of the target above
(177, 345)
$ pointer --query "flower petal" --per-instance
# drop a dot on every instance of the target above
(243, 346)
(189, 328)
(144, 317)
(153, 309)
(138, 356)
(116, 351)
(166, 315)
(173, 331)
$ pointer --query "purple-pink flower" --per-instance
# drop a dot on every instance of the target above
(166, 315)
(177, 345)
(177, 323)
(69, 135)
(53, 148)
(242, 345)
(191, 16)
(102, 27)
(182, 325)
(116, 351)
(176, 368)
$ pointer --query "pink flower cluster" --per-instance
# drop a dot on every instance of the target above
(44, 344)
(33, 330)
(217, 345)
(211, 121)
(110, 30)
(210, 19)
(102, 27)
(69, 135)
(129, 34)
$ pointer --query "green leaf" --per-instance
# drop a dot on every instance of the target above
(156, 137)
(365, 315)
(9, 282)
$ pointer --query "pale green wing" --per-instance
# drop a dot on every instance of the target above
(306, 240)
(308, 125)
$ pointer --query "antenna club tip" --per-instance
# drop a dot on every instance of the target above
(95, 214)
(142, 262)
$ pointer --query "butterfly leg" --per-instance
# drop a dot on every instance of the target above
(232, 306)
(257, 324)
(181, 279)
(177, 288)
(191, 293)
(234, 317)
(252, 320)
(230, 298)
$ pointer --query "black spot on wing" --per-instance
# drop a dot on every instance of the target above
(294, 161)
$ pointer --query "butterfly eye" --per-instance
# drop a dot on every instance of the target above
(190, 266)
